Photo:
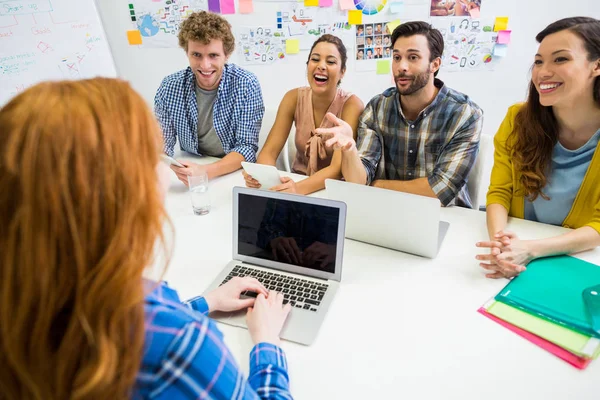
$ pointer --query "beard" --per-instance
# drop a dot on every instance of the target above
(419, 82)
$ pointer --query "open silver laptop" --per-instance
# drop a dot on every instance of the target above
(400, 221)
(292, 244)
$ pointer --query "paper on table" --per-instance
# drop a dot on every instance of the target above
(383, 67)
(503, 37)
(500, 24)
(134, 37)
(227, 7)
(346, 5)
(577, 362)
(246, 6)
(575, 342)
(355, 17)
(292, 46)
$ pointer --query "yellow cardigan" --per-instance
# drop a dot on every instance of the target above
(505, 182)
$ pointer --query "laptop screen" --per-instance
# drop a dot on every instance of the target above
(291, 232)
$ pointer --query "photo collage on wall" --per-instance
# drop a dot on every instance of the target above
(373, 41)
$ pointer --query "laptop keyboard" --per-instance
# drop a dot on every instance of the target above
(300, 293)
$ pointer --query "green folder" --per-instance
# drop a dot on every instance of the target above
(551, 288)
(575, 342)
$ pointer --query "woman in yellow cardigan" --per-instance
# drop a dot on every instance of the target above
(547, 162)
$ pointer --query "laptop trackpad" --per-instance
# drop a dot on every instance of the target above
(237, 318)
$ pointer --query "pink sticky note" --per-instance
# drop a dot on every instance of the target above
(227, 7)
(246, 6)
(577, 362)
(346, 4)
(503, 37)
(474, 12)
(325, 3)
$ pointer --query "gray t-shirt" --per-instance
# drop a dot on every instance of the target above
(208, 141)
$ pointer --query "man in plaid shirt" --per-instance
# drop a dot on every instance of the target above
(212, 107)
(418, 137)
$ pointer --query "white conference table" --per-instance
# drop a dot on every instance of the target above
(401, 326)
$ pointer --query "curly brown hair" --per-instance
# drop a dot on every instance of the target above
(536, 129)
(205, 26)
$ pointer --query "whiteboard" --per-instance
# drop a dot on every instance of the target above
(50, 40)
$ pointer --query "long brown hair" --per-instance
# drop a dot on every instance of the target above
(80, 213)
(535, 132)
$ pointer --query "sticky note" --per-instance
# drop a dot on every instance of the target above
(311, 3)
(500, 50)
(214, 6)
(227, 7)
(503, 37)
(292, 46)
(396, 7)
(383, 67)
(475, 12)
(246, 6)
(346, 5)
(134, 37)
(500, 24)
(393, 25)
(325, 3)
(355, 17)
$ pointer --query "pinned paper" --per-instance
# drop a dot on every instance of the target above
(311, 3)
(355, 17)
(227, 7)
(134, 37)
(501, 24)
(393, 25)
(474, 12)
(246, 6)
(325, 3)
(214, 6)
(503, 37)
(346, 5)
(500, 50)
(383, 67)
(396, 7)
(292, 46)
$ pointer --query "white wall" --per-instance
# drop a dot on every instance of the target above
(494, 91)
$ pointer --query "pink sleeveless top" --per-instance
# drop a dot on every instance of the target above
(311, 152)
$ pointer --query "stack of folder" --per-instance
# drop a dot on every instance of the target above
(555, 304)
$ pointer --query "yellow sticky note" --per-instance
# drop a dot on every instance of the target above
(292, 46)
(311, 3)
(393, 25)
(501, 24)
(355, 17)
(383, 67)
(134, 37)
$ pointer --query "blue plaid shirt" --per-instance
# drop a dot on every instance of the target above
(237, 113)
(185, 357)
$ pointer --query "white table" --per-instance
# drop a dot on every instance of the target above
(401, 326)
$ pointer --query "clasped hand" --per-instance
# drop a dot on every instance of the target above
(508, 255)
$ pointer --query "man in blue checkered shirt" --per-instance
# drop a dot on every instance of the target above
(418, 137)
(212, 107)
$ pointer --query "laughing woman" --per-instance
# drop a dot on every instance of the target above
(547, 157)
(306, 108)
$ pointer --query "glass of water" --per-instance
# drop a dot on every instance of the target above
(198, 186)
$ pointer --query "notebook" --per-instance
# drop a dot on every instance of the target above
(552, 288)
(575, 342)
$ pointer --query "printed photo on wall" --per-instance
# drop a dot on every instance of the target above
(373, 41)
(455, 8)
(360, 53)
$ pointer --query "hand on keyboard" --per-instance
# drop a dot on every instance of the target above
(227, 296)
(265, 320)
